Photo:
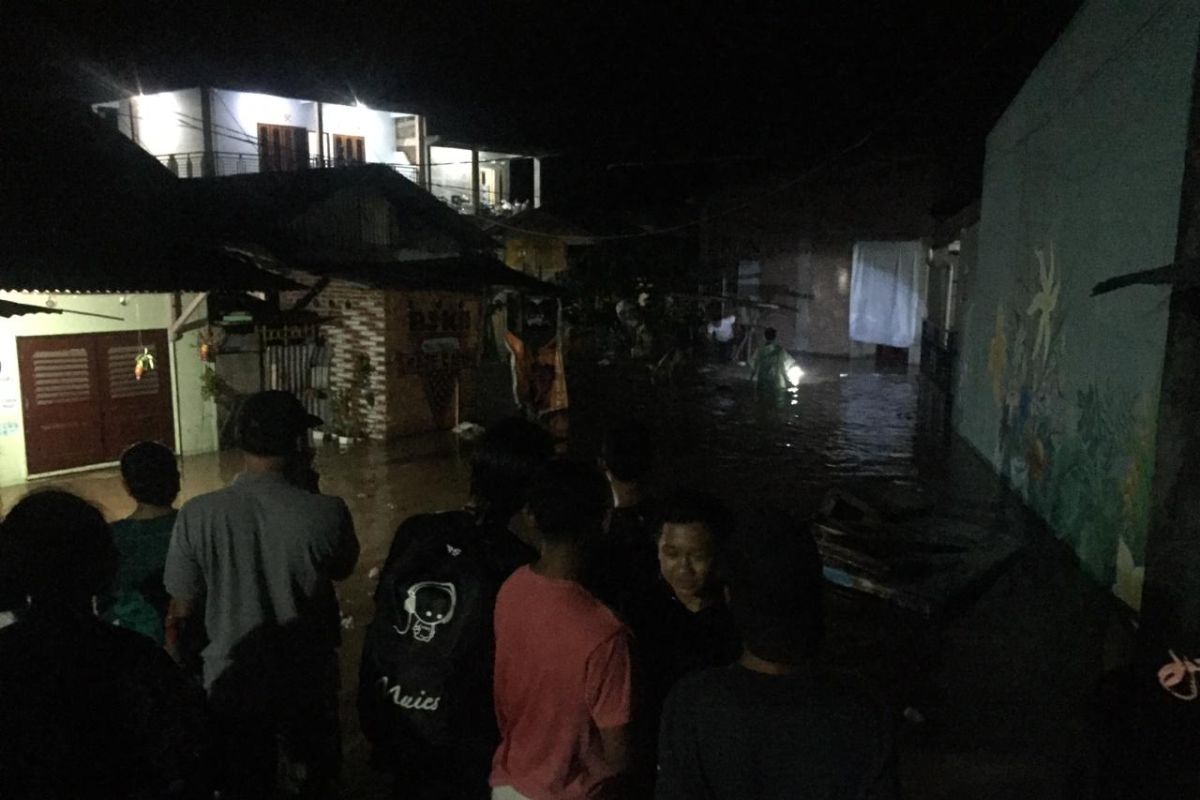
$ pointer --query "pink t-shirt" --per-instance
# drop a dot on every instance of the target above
(562, 674)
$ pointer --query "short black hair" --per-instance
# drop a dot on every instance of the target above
(55, 547)
(270, 423)
(506, 458)
(627, 450)
(773, 571)
(569, 500)
(769, 334)
(691, 506)
(150, 473)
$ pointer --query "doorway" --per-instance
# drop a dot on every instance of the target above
(82, 402)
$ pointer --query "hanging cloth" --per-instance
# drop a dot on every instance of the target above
(885, 293)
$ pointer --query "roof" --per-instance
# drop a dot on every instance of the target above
(468, 273)
(88, 210)
(560, 224)
(265, 207)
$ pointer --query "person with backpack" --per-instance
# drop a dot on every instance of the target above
(139, 600)
(425, 679)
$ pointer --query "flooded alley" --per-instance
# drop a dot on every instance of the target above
(994, 682)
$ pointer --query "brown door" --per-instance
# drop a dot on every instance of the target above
(282, 148)
(60, 395)
(134, 410)
(348, 150)
(82, 403)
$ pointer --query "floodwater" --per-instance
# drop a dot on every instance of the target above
(996, 691)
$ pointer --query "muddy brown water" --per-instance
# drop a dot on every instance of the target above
(1005, 684)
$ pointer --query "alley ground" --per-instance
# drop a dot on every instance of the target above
(1002, 684)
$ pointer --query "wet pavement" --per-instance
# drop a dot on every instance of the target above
(997, 684)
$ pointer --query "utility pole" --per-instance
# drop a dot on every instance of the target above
(1166, 731)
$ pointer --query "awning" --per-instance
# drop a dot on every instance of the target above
(10, 309)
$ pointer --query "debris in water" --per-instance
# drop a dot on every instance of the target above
(468, 430)
(373, 574)
(347, 622)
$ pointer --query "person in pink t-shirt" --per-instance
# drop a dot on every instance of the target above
(562, 678)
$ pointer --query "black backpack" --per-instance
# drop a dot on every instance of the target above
(426, 671)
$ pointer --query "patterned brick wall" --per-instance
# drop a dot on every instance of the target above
(357, 324)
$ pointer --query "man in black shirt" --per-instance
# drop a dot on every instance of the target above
(621, 566)
(773, 724)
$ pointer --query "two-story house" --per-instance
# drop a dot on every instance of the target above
(207, 132)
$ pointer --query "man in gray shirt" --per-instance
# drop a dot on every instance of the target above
(257, 561)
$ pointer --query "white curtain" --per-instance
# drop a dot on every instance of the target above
(885, 298)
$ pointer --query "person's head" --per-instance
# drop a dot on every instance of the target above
(150, 474)
(627, 452)
(506, 458)
(769, 334)
(57, 550)
(772, 572)
(569, 502)
(273, 425)
(694, 526)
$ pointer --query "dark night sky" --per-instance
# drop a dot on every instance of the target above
(611, 81)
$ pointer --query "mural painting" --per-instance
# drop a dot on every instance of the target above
(1079, 453)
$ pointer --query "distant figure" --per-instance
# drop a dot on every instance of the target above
(774, 724)
(139, 599)
(425, 681)
(722, 331)
(261, 555)
(769, 369)
(621, 566)
(563, 681)
(89, 709)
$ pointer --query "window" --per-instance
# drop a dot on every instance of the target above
(282, 148)
(348, 150)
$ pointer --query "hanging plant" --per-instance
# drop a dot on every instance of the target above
(143, 363)
(210, 342)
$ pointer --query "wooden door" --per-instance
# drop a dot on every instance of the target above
(282, 148)
(134, 410)
(60, 394)
(82, 402)
(348, 150)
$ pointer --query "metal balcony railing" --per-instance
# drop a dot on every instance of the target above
(199, 164)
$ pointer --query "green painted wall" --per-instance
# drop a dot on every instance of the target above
(195, 417)
(1081, 183)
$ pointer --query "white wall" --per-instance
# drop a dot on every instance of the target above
(237, 115)
(450, 171)
(195, 418)
(376, 127)
(164, 123)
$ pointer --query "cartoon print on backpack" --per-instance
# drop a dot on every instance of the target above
(428, 605)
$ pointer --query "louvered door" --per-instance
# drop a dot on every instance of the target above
(134, 410)
(61, 399)
(82, 402)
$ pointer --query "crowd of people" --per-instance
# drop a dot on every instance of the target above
(568, 633)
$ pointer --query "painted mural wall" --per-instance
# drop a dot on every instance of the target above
(1082, 182)
(196, 421)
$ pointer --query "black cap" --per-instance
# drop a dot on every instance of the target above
(269, 423)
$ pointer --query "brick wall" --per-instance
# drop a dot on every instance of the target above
(357, 324)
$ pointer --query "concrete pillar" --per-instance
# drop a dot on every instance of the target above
(474, 180)
(320, 134)
(537, 183)
(1167, 726)
(208, 159)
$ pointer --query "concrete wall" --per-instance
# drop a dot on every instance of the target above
(162, 123)
(195, 418)
(1082, 182)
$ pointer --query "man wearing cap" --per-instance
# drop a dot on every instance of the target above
(256, 561)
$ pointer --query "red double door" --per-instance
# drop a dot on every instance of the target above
(82, 402)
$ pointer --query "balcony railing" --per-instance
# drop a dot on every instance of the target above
(199, 164)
